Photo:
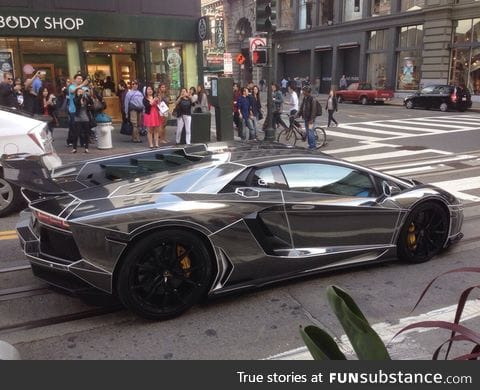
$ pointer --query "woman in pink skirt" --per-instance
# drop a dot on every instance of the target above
(151, 117)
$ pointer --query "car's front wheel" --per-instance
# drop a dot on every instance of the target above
(164, 274)
(409, 104)
(10, 197)
(364, 100)
(443, 107)
(424, 233)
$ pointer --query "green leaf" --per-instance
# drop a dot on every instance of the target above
(365, 341)
(320, 344)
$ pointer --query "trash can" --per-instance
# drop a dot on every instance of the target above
(104, 131)
(201, 122)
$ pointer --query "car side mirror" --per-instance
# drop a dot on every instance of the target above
(390, 189)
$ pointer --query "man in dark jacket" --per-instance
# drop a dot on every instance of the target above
(8, 98)
(308, 110)
(245, 113)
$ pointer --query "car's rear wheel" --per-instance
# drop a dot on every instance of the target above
(10, 197)
(409, 104)
(164, 274)
(443, 107)
(364, 100)
(424, 233)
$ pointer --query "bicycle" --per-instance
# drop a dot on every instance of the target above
(290, 135)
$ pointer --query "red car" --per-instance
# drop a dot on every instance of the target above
(364, 93)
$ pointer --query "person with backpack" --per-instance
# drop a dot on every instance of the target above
(133, 110)
(309, 111)
(331, 107)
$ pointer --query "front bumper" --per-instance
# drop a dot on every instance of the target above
(75, 277)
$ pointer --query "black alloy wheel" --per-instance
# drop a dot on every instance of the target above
(424, 233)
(164, 274)
(409, 104)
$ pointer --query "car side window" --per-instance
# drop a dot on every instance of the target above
(427, 90)
(328, 179)
(269, 177)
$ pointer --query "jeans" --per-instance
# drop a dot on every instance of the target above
(247, 124)
(71, 127)
(312, 143)
(187, 121)
(331, 118)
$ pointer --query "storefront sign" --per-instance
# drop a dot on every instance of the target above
(227, 63)
(40, 23)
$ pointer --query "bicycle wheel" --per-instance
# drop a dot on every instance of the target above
(320, 136)
(287, 137)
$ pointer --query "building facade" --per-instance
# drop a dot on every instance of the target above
(150, 40)
(398, 44)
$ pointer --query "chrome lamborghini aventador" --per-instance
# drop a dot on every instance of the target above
(163, 229)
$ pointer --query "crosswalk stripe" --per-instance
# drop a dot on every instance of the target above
(421, 129)
(367, 130)
(387, 155)
(467, 122)
(426, 162)
(422, 124)
(409, 171)
(361, 147)
(352, 136)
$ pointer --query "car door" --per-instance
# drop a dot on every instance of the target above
(334, 214)
(425, 96)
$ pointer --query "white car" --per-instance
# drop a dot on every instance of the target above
(21, 134)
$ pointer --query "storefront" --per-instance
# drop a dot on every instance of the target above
(107, 47)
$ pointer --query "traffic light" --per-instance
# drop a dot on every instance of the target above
(266, 15)
(259, 57)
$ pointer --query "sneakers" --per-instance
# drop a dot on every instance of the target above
(74, 150)
(86, 150)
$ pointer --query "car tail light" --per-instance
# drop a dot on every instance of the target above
(48, 219)
(34, 137)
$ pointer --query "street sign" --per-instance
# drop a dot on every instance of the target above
(256, 42)
(227, 63)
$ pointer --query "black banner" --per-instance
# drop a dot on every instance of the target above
(135, 375)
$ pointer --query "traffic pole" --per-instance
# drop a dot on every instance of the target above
(269, 130)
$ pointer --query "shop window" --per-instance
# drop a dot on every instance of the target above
(412, 5)
(381, 7)
(306, 13)
(352, 10)
(376, 70)
(9, 57)
(326, 12)
(378, 40)
(409, 57)
(166, 66)
(463, 31)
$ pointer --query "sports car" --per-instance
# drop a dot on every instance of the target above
(163, 229)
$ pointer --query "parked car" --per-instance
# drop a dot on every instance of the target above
(364, 93)
(443, 97)
(163, 229)
(20, 133)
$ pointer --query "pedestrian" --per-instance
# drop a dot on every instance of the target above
(163, 98)
(133, 110)
(331, 107)
(17, 88)
(246, 114)
(183, 109)
(277, 103)
(109, 84)
(45, 106)
(202, 100)
(343, 84)
(122, 91)
(83, 102)
(236, 117)
(308, 110)
(8, 97)
(151, 117)
(262, 85)
(284, 84)
(78, 83)
(293, 103)
(256, 108)
(193, 97)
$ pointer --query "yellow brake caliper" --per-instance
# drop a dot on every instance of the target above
(185, 263)
(411, 238)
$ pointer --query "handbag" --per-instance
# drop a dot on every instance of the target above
(126, 129)
(163, 108)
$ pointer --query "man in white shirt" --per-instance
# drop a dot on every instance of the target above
(293, 102)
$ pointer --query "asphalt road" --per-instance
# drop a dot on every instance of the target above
(431, 146)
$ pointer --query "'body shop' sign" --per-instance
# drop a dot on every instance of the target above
(40, 23)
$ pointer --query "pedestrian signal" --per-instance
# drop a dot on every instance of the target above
(259, 57)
